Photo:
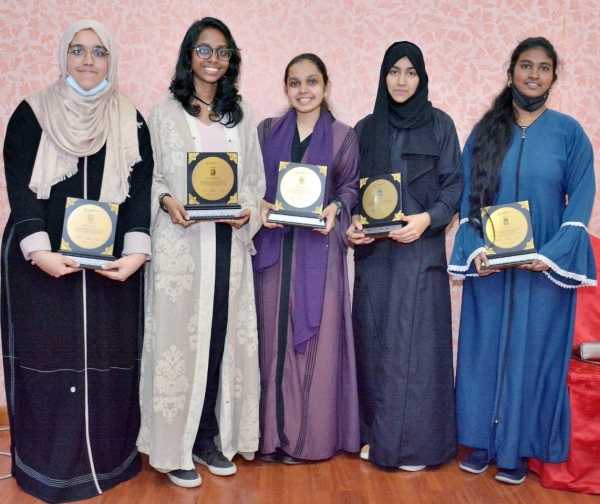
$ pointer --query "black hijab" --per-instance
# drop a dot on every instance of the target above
(414, 115)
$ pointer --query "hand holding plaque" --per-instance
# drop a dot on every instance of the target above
(380, 200)
(89, 232)
(212, 186)
(508, 235)
(300, 195)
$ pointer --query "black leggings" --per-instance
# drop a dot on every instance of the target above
(209, 426)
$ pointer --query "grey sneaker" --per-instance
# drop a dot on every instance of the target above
(216, 462)
(185, 478)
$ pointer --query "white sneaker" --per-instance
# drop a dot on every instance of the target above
(185, 478)
(412, 468)
(364, 452)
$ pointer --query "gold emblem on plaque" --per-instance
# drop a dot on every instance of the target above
(506, 227)
(380, 199)
(213, 178)
(300, 187)
(89, 226)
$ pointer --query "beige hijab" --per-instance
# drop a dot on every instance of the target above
(76, 126)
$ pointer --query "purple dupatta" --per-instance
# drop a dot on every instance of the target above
(311, 247)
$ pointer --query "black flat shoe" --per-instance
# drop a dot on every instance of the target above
(289, 460)
(270, 457)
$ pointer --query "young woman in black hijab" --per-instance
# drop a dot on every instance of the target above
(401, 310)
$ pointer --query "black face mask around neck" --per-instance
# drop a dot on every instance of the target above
(526, 103)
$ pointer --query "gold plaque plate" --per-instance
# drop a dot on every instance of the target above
(89, 226)
(300, 187)
(213, 178)
(379, 199)
(506, 227)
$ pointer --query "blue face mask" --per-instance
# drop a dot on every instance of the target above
(92, 92)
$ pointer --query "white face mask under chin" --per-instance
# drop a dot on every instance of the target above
(71, 82)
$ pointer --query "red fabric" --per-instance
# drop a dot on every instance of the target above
(581, 472)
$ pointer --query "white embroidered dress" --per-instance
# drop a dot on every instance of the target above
(179, 303)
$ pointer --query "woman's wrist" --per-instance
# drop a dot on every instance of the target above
(161, 203)
(38, 256)
(338, 206)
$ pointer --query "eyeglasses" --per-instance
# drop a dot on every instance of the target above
(205, 52)
(78, 53)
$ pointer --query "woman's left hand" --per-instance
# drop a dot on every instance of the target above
(126, 266)
(237, 223)
(329, 215)
(536, 265)
(412, 231)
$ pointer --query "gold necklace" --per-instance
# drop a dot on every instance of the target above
(528, 121)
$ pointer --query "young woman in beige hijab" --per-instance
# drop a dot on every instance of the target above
(70, 336)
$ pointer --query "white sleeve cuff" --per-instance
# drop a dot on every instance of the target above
(34, 242)
(136, 242)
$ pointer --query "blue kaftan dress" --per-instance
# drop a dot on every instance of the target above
(516, 328)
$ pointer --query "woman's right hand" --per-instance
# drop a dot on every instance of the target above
(480, 259)
(355, 234)
(54, 264)
(177, 212)
(265, 207)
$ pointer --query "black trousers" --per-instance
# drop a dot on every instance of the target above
(209, 426)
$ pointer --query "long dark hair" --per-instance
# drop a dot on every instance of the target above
(493, 134)
(227, 98)
(318, 62)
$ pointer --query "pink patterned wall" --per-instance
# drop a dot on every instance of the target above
(466, 44)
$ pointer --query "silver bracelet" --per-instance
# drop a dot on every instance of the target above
(40, 259)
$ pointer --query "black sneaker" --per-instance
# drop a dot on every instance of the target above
(476, 463)
(216, 462)
(513, 476)
(185, 478)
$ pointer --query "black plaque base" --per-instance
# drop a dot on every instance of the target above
(296, 219)
(510, 261)
(213, 213)
(92, 262)
(380, 231)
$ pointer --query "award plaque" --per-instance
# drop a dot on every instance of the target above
(508, 235)
(88, 234)
(300, 195)
(212, 186)
(380, 199)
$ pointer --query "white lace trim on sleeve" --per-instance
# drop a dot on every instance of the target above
(582, 279)
(573, 223)
(457, 272)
